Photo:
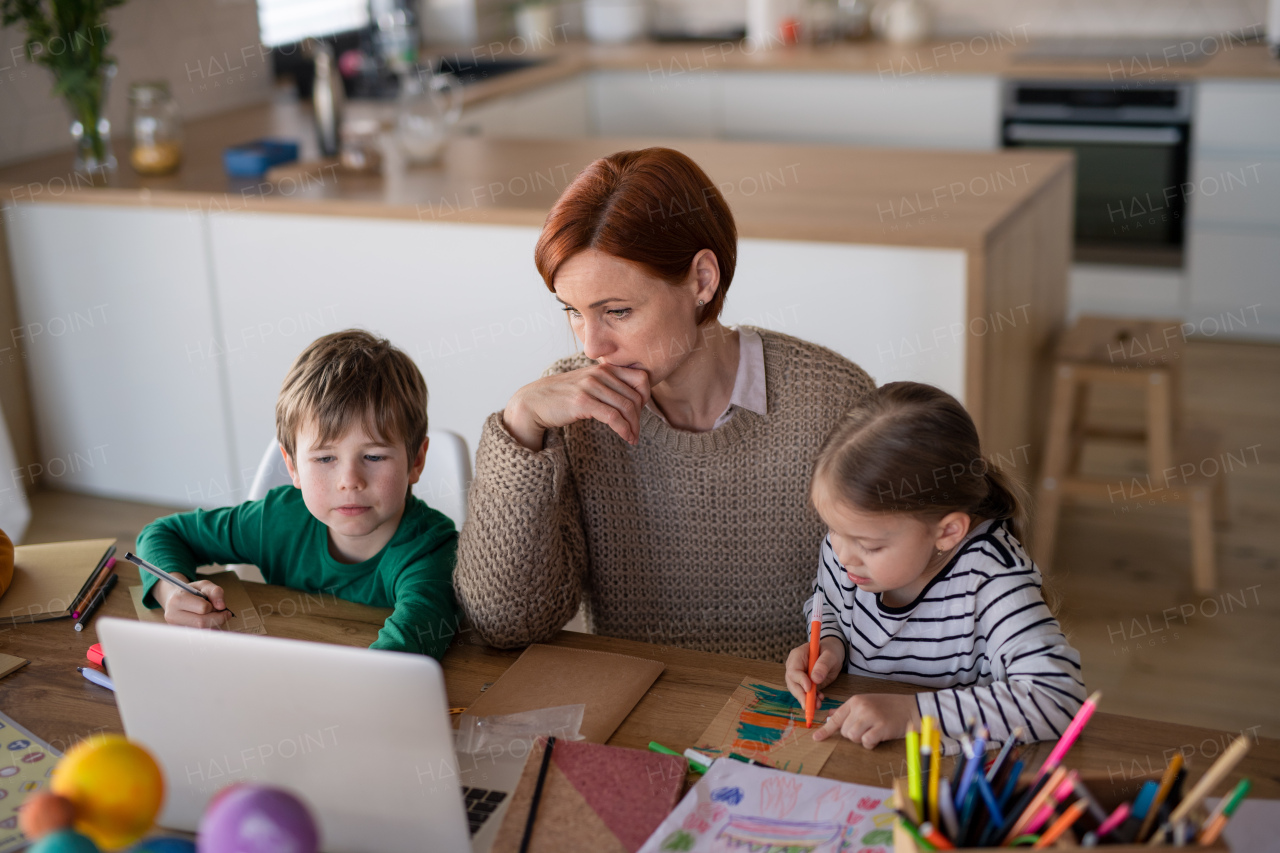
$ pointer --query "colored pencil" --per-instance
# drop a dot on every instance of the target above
(914, 788)
(1218, 818)
(815, 649)
(1003, 755)
(972, 767)
(934, 837)
(89, 581)
(1064, 789)
(1166, 785)
(1117, 817)
(96, 602)
(1068, 739)
(1062, 824)
(1038, 798)
(910, 826)
(935, 773)
(1210, 780)
(537, 795)
(947, 808)
(108, 571)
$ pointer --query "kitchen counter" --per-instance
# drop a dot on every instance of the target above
(941, 266)
(942, 199)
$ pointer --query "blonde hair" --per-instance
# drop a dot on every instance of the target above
(352, 377)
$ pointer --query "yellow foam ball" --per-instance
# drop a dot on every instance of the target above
(116, 786)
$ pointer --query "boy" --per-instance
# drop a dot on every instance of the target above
(351, 419)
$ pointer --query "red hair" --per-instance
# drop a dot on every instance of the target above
(653, 207)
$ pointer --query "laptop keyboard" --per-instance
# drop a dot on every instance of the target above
(480, 805)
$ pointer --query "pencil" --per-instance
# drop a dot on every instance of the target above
(96, 601)
(1062, 824)
(1077, 724)
(947, 808)
(1210, 780)
(1166, 785)
(89, 581)
(159, 573)
(1117, 817)
(537, 795)
(910, 826)
(934, 837)
(913, 771)
(935, 773)
(1226, 808)
(1037, 800)
(108, 569)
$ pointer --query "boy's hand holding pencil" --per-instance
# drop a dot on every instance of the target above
(183, 608)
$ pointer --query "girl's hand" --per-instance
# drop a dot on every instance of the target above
(183, 608)
(610, 394)
(871, 718)
(830, 659)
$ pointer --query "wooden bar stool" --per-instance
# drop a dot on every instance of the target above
(1145, 356)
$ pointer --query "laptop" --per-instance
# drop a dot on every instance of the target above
(362, 736)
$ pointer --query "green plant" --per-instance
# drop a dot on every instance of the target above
(69, 37)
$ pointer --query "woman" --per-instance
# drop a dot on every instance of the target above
(661, 474)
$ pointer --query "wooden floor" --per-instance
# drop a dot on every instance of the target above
(1124, 576)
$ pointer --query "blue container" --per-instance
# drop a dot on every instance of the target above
(253, 159)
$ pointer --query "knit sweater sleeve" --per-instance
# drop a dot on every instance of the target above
(521, 553)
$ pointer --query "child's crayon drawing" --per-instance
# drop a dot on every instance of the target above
(738, 808)
(765, 722)
(26, 764)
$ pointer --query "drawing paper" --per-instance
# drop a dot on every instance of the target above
(247, 620)
(26, 762)
(735, 808)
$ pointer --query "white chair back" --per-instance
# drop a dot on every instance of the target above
(443, 484)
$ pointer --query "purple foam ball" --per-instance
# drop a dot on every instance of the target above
(258, 819)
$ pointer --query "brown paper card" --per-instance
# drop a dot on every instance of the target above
(765, 722)
(46, 578)
(609, 685)
(235, 596)
(9, 663)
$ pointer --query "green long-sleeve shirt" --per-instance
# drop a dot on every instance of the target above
(413, 573)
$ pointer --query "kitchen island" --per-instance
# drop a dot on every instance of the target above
(188, 296)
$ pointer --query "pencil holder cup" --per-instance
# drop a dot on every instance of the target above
(1109, 796)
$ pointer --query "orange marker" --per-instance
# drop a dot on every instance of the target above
(815, 649)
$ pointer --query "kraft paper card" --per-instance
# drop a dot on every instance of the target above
(609, 685)
(47, 577)
(9, 663)
(246, 621)
(765, 722)
(735, 808)
(595, 799)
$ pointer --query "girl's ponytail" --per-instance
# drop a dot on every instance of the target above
(1006, 500)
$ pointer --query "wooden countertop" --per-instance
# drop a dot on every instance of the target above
(49, 697)
(944, 199)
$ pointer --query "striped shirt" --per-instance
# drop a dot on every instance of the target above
(979, 635)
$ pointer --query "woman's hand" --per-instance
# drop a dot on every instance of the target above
(610, 394)
(830, 659)
(871, 718)
(183, 608)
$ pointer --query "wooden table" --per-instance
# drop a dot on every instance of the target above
(51, 699)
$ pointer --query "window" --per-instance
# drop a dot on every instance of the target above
(287, 21)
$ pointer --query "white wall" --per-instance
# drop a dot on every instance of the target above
(207, 50)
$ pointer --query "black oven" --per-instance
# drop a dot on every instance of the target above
(1131, 144)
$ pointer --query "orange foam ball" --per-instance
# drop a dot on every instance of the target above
(45, 812)
(115, 786)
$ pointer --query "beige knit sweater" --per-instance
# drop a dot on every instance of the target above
(702, 540)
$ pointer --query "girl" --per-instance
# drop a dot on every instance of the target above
(923, 580)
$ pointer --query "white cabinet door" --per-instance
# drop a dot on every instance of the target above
(1233, 239)
(464, 301)
(117, 311)
(655, 103)
(862, 109)
(1235, 282)
(550, 112)
(1237, 115)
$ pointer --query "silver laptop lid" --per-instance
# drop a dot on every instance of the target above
(354, 732)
